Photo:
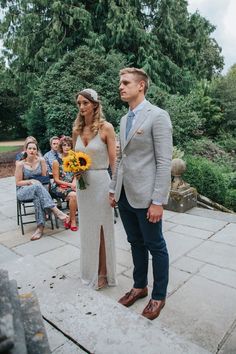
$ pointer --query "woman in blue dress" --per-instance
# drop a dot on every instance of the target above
(28, 187)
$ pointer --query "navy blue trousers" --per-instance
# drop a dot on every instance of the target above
(145, 236)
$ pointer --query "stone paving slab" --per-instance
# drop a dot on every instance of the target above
(176, 278)
(68, 236)
(202, 255)
(60, 256)
(188, 264)
(178, 245)
(68, 347)
(223, 276)
(71, 270)
(6, 255)
(124, 258)
(229, 347)
(198, 222)
(9, 209)
(55, 338)
(205, 318)
(213, 214)
(226, 235)
(7, 224)
(215, 253)
(45, 244)
(91, 319)
(192, 231)
(107, 327)
(14, 238)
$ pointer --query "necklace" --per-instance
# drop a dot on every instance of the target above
(31, 164)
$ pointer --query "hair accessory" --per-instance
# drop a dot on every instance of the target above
(90, 94)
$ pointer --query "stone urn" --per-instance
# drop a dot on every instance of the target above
(178, 167)
(182, 197)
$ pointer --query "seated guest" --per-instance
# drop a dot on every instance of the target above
(28, 187)
(21, 155)
(52, 155)
(64, 185)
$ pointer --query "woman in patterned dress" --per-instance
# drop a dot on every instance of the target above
(64, 185)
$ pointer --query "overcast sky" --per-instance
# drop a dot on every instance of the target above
(222, 14)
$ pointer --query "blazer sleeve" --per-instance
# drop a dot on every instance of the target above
(163, 148)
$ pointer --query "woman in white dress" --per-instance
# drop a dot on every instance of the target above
(93, 135)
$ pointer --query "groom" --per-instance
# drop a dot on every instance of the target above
(140, 185)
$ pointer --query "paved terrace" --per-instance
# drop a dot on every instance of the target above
(200, 314)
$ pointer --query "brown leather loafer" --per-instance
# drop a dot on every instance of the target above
(133, 295)
(153, 309)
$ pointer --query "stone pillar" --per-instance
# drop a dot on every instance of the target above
(182, 197)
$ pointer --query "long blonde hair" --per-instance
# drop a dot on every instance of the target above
(98, 117)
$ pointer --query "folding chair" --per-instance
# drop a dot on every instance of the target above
(23, 213)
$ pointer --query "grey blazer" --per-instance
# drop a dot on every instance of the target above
(144, 164)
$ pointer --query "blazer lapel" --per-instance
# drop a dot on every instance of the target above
(142, 115)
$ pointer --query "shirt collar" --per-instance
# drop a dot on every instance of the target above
(139, 107)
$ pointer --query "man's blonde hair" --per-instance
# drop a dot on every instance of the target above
(139, 73)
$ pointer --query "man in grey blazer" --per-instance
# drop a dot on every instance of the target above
(140, 186)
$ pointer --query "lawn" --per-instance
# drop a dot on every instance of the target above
(8, 148)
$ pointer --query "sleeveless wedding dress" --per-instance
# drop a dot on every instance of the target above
(95, 213)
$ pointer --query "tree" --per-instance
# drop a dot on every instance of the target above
(10, 107)
(160, 36)
(53, 109)
(224, 92)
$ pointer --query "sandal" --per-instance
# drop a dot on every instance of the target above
(37, 234)
(74, 228)
(102, 282)
(67, 225)
(60, 215)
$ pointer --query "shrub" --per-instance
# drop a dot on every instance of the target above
(211, 150)
(230, 199)
(207, 177)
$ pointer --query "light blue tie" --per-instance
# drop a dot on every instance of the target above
(129, 122)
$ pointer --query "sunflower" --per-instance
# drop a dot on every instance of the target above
(67, 164)
(84, 160)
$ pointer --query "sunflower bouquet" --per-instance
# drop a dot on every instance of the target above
(77, 162)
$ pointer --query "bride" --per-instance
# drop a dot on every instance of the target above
(93, 135)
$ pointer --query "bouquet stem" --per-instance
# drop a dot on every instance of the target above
(81, 183)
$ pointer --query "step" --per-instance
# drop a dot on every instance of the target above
(35, 333)
(6, 312)
(19, 332)
(92, 320)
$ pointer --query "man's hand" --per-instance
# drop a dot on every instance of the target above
(112, 200)
(154, 213)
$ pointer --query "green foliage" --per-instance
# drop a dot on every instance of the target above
(174, 47)
(186, 122)
(177, 153)
(10, 107)
(207, 148)
(224, 92)
(206, 108)
(54, 105)
(230, 199)
(8, 148)
(207, 177)
(227, 141)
